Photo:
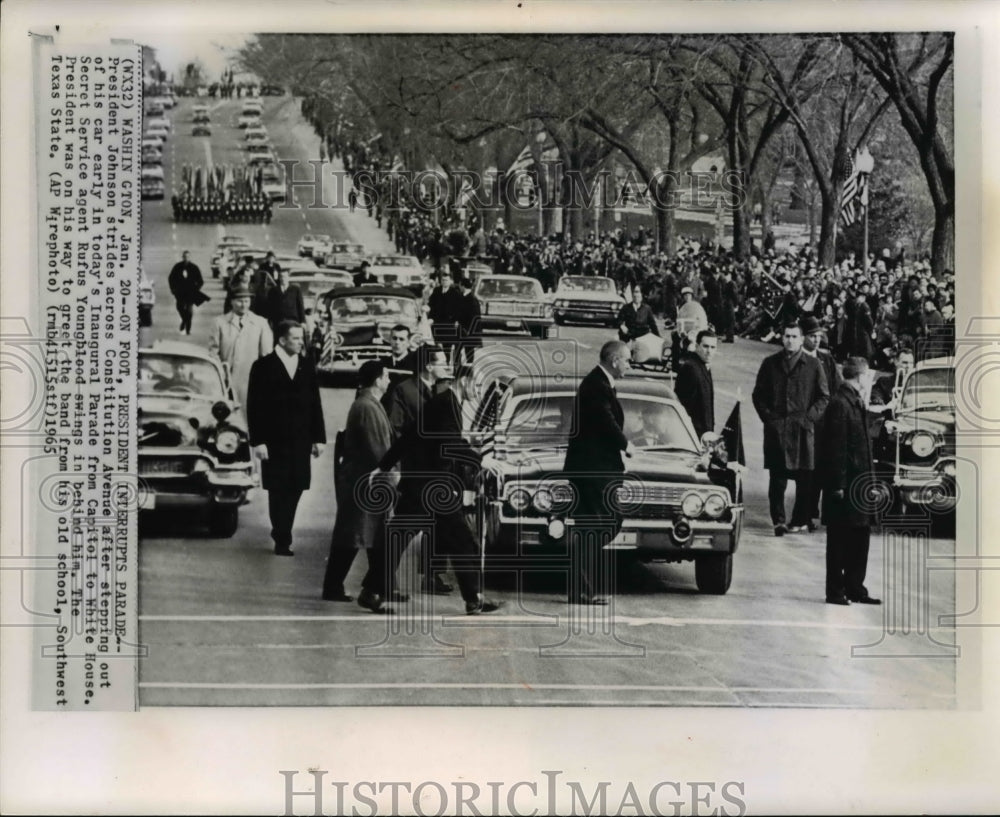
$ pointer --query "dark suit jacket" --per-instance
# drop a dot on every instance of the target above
(287, 416)
(467, 318)
(846, 461)
(185, 283)
(696, 391)
(441, 456)
(285, 306)
(638, 321)
(407, 362)
(790, 397)
(599, 442)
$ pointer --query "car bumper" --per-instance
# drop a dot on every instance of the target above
(651, 539)
(577, 315)
(933, 486)
(232, 487)
(514, 322)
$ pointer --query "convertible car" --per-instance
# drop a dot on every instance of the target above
(679, 501)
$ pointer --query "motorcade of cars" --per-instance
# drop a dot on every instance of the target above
(308, 242)
(341, 255)
(355, 324)
(400, 270)
(192, 434)
(914, 450)
(513, 303)
(587, 299)
(679, 499)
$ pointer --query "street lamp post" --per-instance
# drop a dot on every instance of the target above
(864, 164)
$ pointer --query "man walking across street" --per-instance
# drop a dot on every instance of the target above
(238, 339)
(468, 318)
(285, 420)
(790, 395)
(812, 334)
(593, 466)
(404, 403)
(846, 471)
(366, 438)
(444, 306)
(185, 283)
(447, 467)
(694, 386)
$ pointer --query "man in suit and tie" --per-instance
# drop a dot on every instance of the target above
(285, 420)
(238, 339)
(593, 466)
(694, 386)
(636, 319)
(400, 358)
(446, 469)
(284, 302)
(790, 395)
(846, 467)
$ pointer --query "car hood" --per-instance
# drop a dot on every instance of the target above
(168, 420)
(934, 421)
(655, 466)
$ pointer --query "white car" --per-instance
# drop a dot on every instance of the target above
(400, 270)
(247, 119)
(308, 243)
(153, 139)
(255, 137)
(257, 149)
(199, 109)
(314, 283)
(253, 106)
(160, 122)
(587, 299)
(273, 188)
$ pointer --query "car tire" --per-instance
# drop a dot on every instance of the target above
(714, 573)
(559, 319)
(223, 520)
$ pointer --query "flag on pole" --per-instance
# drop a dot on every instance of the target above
(732, 436)
(854, 199)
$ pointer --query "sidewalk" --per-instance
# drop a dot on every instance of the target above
(361, 228)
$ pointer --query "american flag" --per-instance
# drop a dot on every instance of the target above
(854, 199)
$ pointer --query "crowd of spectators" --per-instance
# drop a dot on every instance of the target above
(898, 303)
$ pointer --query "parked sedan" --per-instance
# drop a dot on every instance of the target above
(193, 441)
(587, 299)
(677, 502)
(513, 303)
(308, 243)
(340, 255)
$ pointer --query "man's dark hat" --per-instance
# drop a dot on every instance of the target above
(809, 325)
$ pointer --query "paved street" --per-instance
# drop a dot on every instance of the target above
(227, 623)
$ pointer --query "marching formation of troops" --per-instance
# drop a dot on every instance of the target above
(253, 209)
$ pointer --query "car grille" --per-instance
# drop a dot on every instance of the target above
(508, 308)
(589, 306)
(164, 465)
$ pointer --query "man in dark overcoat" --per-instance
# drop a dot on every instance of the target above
(790, 395)
(468, 318)
(694, 386)
(185, 284)
(846, 472)
(812, 335)
(360, 523)
(404, 404)
(444, 479)
(593, 466)
(284, 302)
(443, 306)
(285, 422)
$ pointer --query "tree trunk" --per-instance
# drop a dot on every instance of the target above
(943, 242)
(828, 231)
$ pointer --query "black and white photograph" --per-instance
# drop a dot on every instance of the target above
(598, 380)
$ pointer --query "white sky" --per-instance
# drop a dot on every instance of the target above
(174, 51)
